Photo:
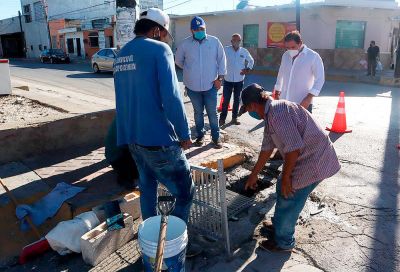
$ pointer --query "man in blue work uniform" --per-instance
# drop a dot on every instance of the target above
(151, 118)
(202, 58)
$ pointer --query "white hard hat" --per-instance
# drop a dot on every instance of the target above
(158, 16)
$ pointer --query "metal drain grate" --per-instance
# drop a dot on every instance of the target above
(237, 203)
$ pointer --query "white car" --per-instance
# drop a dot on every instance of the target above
(103, 60)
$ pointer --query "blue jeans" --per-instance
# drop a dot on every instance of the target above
(287, 212)
(236, 87)
(208, 100)
(170, 167)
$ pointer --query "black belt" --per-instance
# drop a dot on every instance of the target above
(151, 148)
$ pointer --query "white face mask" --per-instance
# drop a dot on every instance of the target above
(293, 53)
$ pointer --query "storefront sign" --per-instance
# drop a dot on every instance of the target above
(276, 33)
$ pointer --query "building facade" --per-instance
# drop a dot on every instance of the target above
(11, 38)
(340, 33)
(34, 25)
(81, 28)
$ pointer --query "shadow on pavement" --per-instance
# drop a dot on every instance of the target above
(385, 255)
(260, 125)
(83, 67)
(335, 136)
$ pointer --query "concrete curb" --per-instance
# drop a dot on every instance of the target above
(80, 130)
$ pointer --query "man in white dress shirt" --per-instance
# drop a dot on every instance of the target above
(301, 74)
(238, 63)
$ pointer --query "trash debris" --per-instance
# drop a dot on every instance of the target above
(65, 238)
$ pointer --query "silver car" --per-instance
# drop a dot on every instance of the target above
(103, 60)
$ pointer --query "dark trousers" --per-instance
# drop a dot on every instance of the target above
(236, 88)
(372, 63)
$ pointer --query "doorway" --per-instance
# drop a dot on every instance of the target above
(78, 47)
(70, 46)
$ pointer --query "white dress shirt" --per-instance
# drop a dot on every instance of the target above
(202, 63)
(236, 62)
(305, 75)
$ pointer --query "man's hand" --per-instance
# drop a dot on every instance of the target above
(286, 187)
(186, 144)
(217, 84)
(245, 71)
(307, 101)
(251, 183)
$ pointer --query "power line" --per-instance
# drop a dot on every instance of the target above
(178, 4)
(74, 11)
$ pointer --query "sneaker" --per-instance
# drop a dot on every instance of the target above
(217, 144)
(221, 122)
(235, 121)
(199, 141)
(271, 246)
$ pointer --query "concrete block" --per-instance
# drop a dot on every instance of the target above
(99, 243)
(129, 204)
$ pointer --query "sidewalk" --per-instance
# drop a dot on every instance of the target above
(384, 78)
(32, 178)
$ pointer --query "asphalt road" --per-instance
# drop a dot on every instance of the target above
(77, 77)
(365, 234)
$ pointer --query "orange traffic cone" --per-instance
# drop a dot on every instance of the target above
(339, 122)
(220, 105)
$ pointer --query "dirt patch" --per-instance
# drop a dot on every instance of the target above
(17, 109)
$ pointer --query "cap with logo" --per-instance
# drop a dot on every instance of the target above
(197, 22)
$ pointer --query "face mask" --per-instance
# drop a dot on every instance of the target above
(293, 53)
(200, 35)
(236, 44)
(255, 115)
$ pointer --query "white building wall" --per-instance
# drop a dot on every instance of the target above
(36, 33)
(318, 24)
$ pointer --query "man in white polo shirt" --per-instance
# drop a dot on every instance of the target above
(301, 74)
(238, 63)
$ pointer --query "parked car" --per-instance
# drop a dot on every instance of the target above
(54, 56)
(103, 60)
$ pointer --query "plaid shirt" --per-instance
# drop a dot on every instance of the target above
(290, 127)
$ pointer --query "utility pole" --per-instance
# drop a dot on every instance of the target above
(397, 52)
(298, 15)
(22, 33)
(127, 12)
(45, 7)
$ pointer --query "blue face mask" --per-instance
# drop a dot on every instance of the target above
(255, 115)
(200, 35)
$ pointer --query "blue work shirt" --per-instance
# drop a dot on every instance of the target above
(149, 105)
(202, 62)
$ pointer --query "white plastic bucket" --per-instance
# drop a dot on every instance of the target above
(175, 244)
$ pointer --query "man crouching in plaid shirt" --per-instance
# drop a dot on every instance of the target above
(309, 158)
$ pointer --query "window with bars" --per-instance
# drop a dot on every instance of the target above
(94, 39)
(39, 11)
(27, 13)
